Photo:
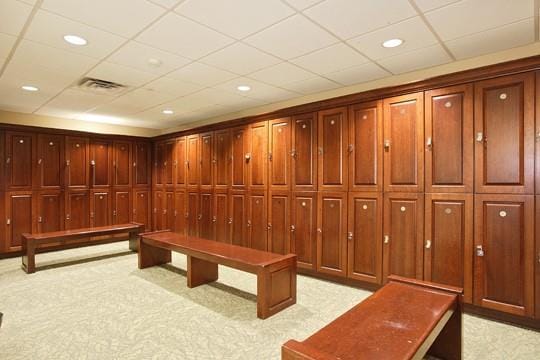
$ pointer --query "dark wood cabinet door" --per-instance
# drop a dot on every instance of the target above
(223, 159)
(122, 163)
(304, 152)
(504, 133)
(77, 162)
(240, 149)
(100, 208)
(158, 204)
(50, 211)
(206, 160)
(304, 228)
(180, 212)
(141, 164)
(19, 160)
(142, 205)
(333, 149)
(122, 207)
(238, 210)
(159, 157)
(504, 253)
(449, 139)
(193, 165)
(365, 146)
(181, 162)
(279, 153)
(168, 211)
(258, 156)
(364, 237)
(403, 235)
(192, 213)
(537, 257)
(222, 227)
(77, 210)
(404, 143)
(206, 215)
(169, 159)
(279, 230)
(332, 233)
(19, 214)
(257, 223)
(50, 161)
(100, 162)
(448, 245)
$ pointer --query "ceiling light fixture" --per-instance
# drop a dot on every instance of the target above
(168, 112)
(29, 88)
(154, 62)
(244, 87)
(75, 40)
(392, 43)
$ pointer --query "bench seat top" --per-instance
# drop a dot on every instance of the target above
(83, 232)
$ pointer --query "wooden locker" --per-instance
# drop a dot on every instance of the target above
(504, 253)
(449, 139)
(333, 149)
(122, 163)
(222, 226)
(77, 162)
(240, 149)
(537, 257)
(304, 228)
(100, 208)
(181, 162)
(100, 162)
(192, 213)
(504, 133)
(50, 211)
(404, 143)
(169, 159)
(537, 153)
(304, 153)
(158, 204)
(279, 231)
(122, 206)
(193, 166)
(77, 209)
(332, 233)
(142, 206)
(180, 213)
(403, 235)
(448, 245)
(19, 160)
(257, 156)
(223, 159)
(168, 211)
(364, 235)
(257, 223)
(141, 164)
(238, 210)
(365, 146)
(19, 215)
(3, 232)
(206, 216)
(279, 153)
(2, 176)
(159, 157)
(50, 162)
(207, 160)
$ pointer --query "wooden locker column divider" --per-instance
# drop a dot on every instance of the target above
(333, 149)
(537, 258)
(169, 160)
(304, 152)
(192, 212)
(168, 210)
(158, 203)
(77, 209)
(158, 177)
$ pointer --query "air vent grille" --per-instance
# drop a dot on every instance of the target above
(100, 86)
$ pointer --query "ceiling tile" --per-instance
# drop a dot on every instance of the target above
(75, 100)
(236, 18)
(14, 16)
(302, 4)
(49, 81)
(505, 37)
(348, 18)
(358, 74)
(189, 103)
(281, 74)
(133, 102)
(461, 18)
(428, 5)
(259, 91)
(292, 37)
(156, 115)
(21, 101)
(121, 17)
(6, 43)
(416, 59)
(312, 85)
(223, 98)
(169, 4)
(49, 29)
(184, 37)
(173, 86)
(240, 59)
(330, 59)
(121, 74)
(202, 74)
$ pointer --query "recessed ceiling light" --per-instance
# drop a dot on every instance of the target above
(244, 87)
(29, 88)
(168, 112)
(75, 40)
(154, 62)
(392, 43)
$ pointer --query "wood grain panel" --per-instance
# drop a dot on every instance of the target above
(207, 160)
(19, 214)
(332, 233)
(223, 159)
(122, 163)
(332, 149)
(304, 228)
(258, 156)
(257, 223)
(50, 162)
(279, 234)
(142, 208)
(19, 160)
(279, 153)
(77, 209)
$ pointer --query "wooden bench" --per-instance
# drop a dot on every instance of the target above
(405, 319)
(32, 242)
(276, 274)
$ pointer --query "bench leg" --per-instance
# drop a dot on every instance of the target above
(276, 288)
(200, 272)
(150, 255)
(29, 256)
(448, 345)
(134, 241)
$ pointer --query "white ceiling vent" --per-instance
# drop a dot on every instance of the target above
(101, 86)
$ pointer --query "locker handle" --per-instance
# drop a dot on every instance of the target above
(39, 161)
(248, 223)
(8, 221)
(93, 162)
(199, 217)
(479, 136)
(386, 239)
(269, 156)
(214, 219)
(8, 160)
(293, 228)
(248, 156)
(320, 150)
(293, 153)
(39, 219)
(230, 220)
(429, 143)
(68, 162)
(319, 230)
(350, 235)
(428, 244)
(479, 250)
(68, 216)
(134, 164)
(269, 226)
(386, 145)
(350, 148)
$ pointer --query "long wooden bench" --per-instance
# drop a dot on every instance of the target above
(32, 242)
(405, 319)
(276, 274)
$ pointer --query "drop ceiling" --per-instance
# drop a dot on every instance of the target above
(205, 49)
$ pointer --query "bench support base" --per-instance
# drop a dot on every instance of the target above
(29, 256)
(150, 255)
(200, 272)
(276, 288)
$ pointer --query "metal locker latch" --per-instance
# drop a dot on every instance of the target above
(429, 143)
(350, 235)
(214, 219)
(386, 145)
(269, 156)
(93, 162)
(68, 217)
(68, 162)
(350, 148)
(199, 217)
(114, 213)
(386, 239)
(479, 250)
(8, 221)
(230, 221)
(39, 219)
(293, 228)
(248, 156)
(320, 151)
(479, 136)
(269, 226)
(428, 244)
(248, 223)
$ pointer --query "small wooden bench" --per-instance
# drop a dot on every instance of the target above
(405, 319)
(32, 242)
(276, 274)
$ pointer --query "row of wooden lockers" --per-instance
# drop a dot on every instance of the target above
(477, 137)
(486, 247)
(44, 161)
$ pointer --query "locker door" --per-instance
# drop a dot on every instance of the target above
(240, 149)
(19, 160)
(222, 228)
(504, 253)
(448, 247)
(279, 154)
(279, 232)
(403, 235)
(141, 164)
(404, 143)
(504, 133)
(449, 139)
(100, 205)
(258, 155)
(159, 158)
(365, 237)
(141, 208)
(122, 163)
(223, 157)
(100, 161)
(193, 161)
(257, 221)
(207, 160)
(77, 162)
(50, 211)
(304, 229)
(168, 162)
(50, 161)
(365, 146)
(193, 213)
(181, 162)
(159, 205)
(333, 145)
(180, 212)
(122, 207)
(77, 210)
(332, 233)
(206, 225)
(19, 217)
(238, 218)
(304, 153)
(537, 259)
(168, 213)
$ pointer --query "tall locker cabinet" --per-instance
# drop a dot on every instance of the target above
(304, 152)
(50, 162)
(19, 216)
(332, 233)
(19, 156)
(333, 146)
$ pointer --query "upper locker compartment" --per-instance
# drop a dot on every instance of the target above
(141, 164)
(223, 159)
(207, 160)
(257, 156)
(504, 134)
(122, 163)
(304, 153)
(192, 165)
(333, 146)
(181, 162)
(279, 153)
(77, 162)
(100, 163)
(19, 160)
(49, 164)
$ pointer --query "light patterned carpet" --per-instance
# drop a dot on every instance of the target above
(106, 308)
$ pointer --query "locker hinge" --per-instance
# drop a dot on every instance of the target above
(68, 216)
(199, 217)
(320, 150)
(230, 221)
(386, 239)
(480, 137)
(248, 223)
(214, 219)
(93, 162)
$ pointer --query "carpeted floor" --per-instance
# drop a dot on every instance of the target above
(106, 308)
